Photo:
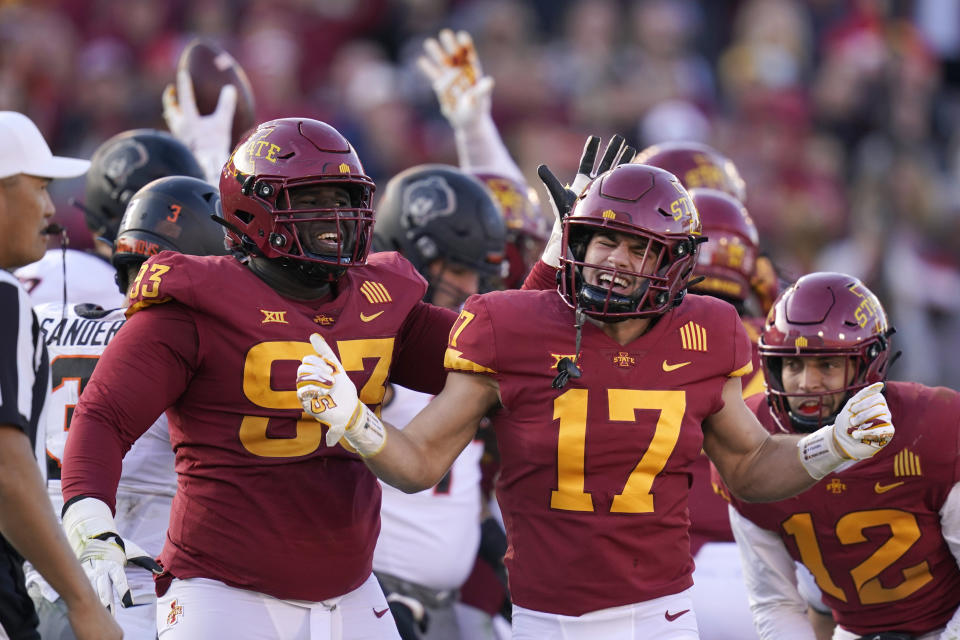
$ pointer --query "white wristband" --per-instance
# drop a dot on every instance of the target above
(369, 437)
(818, 452)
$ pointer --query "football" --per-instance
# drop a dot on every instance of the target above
(211, 68)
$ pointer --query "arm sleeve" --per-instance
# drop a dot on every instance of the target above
(950, 529)
(480, 149)
(542, 277)
(423, 340)
(779, 611)
(143, 371)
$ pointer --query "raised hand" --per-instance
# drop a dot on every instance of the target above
(562, 198)
(208, 137)
(450, 62)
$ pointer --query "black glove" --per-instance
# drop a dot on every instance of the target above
(563, 198)
(409, 614)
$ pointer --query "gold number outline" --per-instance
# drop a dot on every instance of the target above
(459, 325)
(147, 291)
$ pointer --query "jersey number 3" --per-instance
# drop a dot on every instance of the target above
(570, 409)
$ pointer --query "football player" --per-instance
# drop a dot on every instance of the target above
(447, 224)
(881, 538)
(724, 267)
(168, 214)
(119, 167)
(605, 390)
(271, 531)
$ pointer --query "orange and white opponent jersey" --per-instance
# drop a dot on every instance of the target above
(76, 337)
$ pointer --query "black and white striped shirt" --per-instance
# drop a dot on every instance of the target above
(24, 386)
(24, 369)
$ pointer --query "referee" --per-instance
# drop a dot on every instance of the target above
(27, 522)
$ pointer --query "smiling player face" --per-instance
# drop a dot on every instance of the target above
(320, 237)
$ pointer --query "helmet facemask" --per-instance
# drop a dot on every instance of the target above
(797, 421)
(319, 241)
(663, 258)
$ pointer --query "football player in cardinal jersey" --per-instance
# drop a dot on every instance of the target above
(447, 224)
(119, 167)
(604, 394)
(169, 214)
(271, 531)
(881, 538)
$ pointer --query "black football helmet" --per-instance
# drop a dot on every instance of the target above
(169, 214)
(435, 211)
(122, 165)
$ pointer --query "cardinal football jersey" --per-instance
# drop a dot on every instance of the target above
(595, 476)
(262, 503)
(870, 534)
(708, 511)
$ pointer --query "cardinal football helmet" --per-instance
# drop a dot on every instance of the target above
(169, 214)
(642, 201)
(727, 261)
(437, 211)
(122, 165)
(279, 158)
(696, 165)
(823, 315)
(527, 228)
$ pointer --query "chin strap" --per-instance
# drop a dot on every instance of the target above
(566, 367)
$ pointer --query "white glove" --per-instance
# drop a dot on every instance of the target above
(452, 66)
(864, 426)
(208, 137)
(326, 392)
(102, 552)
(562, 198)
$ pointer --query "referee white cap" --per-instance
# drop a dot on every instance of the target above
(23, 150)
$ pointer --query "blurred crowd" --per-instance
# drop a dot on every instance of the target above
(840, 114)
